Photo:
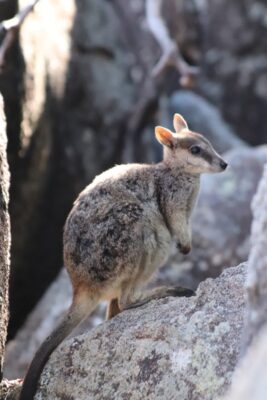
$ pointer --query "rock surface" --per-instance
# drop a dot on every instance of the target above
(4, 236)
(252, 385)
(256, 283)
(10, 390)
(249, 380)
(222, 220)
(172, 348)
(233, 72)
(33, 156)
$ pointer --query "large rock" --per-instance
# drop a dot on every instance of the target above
(11, 84)
(256, 283)
(34, 156)
(249, 381)
(10, 390)
(4, 236)
(233, 71)
(252, 384)
(176, 348)
(222, 220)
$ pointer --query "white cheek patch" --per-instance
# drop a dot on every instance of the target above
(188, 161)
(196, 161)
(197, 164)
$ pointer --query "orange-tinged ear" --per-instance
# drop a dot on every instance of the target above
(164, 136)
(179, 123)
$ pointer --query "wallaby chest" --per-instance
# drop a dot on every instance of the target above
(178, 193)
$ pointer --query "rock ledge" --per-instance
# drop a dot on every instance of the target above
(171, 348)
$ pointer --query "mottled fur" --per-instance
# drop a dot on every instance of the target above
(121, 229)
(122, 225)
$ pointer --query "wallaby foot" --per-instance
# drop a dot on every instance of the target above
(113, 309)
(157, 293)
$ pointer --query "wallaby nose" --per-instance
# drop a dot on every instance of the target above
(223, 164)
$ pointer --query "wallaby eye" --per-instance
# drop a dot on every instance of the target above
(195, 150)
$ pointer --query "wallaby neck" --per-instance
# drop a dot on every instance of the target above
(175, 189)
(163, 168)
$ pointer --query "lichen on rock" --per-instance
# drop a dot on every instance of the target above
(171, 348)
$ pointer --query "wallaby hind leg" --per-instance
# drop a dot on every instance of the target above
(113, 309)
(132, 299)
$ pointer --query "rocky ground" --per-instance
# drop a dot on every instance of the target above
(172, 348)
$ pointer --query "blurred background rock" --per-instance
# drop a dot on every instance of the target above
(80, 97)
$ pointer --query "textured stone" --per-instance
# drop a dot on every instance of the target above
(257, 263)
(233, 72)
(4, 235)
(34, 157)
(9, 390)
(172, 348)
(249, 381)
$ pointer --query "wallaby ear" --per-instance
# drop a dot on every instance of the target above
(179, 123)
(164, 136)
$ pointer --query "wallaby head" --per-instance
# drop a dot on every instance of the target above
(188, 150)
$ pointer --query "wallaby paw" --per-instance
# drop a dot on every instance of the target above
(184, 249)
(179, 291)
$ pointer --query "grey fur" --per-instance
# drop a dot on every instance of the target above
(122, 226)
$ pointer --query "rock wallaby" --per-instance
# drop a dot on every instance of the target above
(121, 228)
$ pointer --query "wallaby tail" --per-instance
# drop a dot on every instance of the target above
(81, 307)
